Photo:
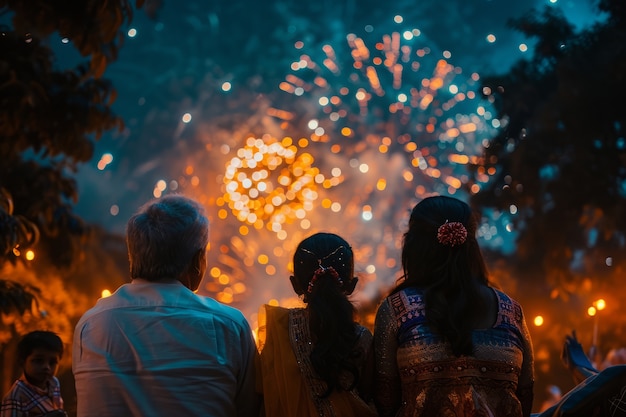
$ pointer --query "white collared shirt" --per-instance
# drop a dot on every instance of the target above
(158, 349)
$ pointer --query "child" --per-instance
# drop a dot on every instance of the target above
(37, 392)
(314, 360)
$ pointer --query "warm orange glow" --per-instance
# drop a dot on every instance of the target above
(372, 76)
(599, 304)
(453, 133)
(436, 83)
(592, 311)
(538, 321)
(467, 127)
(458, 159)
(453, 182)
(319, 81)
(286, 87)
(425, 102)
(225, 297)
(331, 65)
(30, 255)
(280, 114)
(106, 293)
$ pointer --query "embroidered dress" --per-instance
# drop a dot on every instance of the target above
(27, 400)
(496, 381)
(289, 385)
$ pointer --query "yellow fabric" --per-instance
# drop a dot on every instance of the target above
(285, 390)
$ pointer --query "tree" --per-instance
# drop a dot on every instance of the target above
(49, 116)
(49, 119)
(16, 232)
(560, 160)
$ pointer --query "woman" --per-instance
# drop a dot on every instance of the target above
(313, 359)
(446, 343)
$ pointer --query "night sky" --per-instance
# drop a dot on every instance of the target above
(205, 87)
(184, 39)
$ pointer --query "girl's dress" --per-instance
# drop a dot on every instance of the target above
(287, 380)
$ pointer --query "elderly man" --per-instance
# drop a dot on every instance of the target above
(154, 347)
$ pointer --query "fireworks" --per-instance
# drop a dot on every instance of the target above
(382, 126)
(270, 182)
(369, 126)
(395, 96)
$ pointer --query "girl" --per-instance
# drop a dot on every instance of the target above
(314, 360)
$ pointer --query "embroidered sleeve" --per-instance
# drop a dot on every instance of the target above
(527, 377)
(387, 394)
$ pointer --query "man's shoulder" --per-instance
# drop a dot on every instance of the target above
(214, 307)
(127, 300)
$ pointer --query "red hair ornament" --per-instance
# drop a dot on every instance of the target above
(452, 234)
(321, 271)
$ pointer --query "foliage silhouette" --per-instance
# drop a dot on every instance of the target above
(49, 120)
(560, 160)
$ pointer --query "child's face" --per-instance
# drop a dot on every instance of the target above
(40, 366)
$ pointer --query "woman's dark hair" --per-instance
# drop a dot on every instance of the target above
(324, 267)
(450, 275)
